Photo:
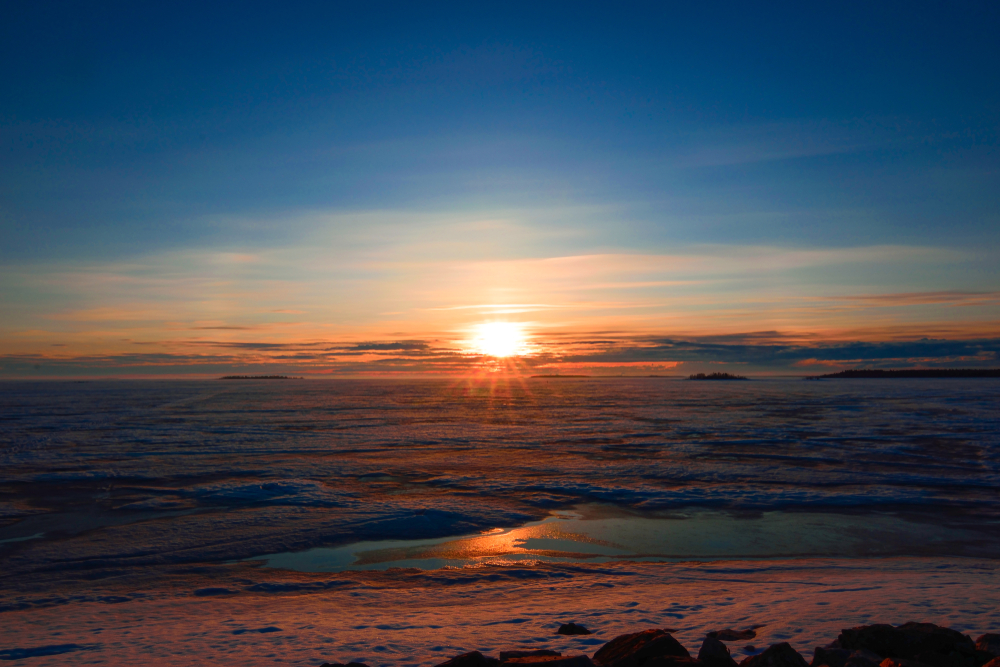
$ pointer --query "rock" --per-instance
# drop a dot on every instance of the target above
(471, 659)
(777, 655)
(672, 661)
(730, 635)
(900, 662)
(552, 661)
(989, 643)
(863, 658)
(510, 655)
(714, 653)
(880, 638)
(830, 656)
(923, 642)
(636, 649)
(995, 662)
(573, 629)
(343, 664)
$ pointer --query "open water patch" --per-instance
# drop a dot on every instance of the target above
(599, 535)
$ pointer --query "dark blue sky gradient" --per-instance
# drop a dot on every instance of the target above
(126, 124)
(190, 186)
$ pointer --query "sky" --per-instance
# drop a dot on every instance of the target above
(342, 189)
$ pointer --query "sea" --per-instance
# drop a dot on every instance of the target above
(97, 477)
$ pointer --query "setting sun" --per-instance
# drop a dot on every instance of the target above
(499, 339)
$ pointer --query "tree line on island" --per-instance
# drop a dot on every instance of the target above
(716, 376)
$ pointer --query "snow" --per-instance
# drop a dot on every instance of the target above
(410, 617)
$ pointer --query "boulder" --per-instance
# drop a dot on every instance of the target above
(923, 642)
(572, 629)
(989, 643)
(672, 661)
(900, 662)
(863, 658)
(552, 661)
(777, 655)
(714, 653)
(519, 653)
(636, 649)
(831, 656)
(471, 659)
(881, 638)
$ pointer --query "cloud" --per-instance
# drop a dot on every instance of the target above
(421, 292)
(224, 328)
(754, 351)
(766, 142)
(770, 354)
(401, 345)
(922, 298)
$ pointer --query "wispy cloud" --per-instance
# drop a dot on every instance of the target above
(922, 298)
(766, 352)
(420, 293)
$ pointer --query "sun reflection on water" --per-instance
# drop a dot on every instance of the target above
(497, 544)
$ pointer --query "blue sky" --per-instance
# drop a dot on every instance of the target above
(377, 170)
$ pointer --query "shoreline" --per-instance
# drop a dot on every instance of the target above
(247, 615)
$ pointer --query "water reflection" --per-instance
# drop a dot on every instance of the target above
(599, 535)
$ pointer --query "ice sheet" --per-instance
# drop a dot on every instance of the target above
(264, 617)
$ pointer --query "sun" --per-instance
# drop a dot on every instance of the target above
(499, 339)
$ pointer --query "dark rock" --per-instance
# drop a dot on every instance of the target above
(730, 635)
(343, 664)
(777, 655)
(924, 642)
(572, 629)
(989, 643)
(830, 656)
(995, 662)
(714, 653)
(880, 638)
(471, 659)
(863, 658)
(672, 661)
(552, 661)
(510, 655)
(635, 649)
(900, 662)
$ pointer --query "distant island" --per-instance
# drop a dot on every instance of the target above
(560, 376)
(258, 377)
(716, 376)
(915, 373)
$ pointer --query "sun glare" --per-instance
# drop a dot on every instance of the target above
(499, 339)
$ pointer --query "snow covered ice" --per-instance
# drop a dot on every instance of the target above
(121, 500)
